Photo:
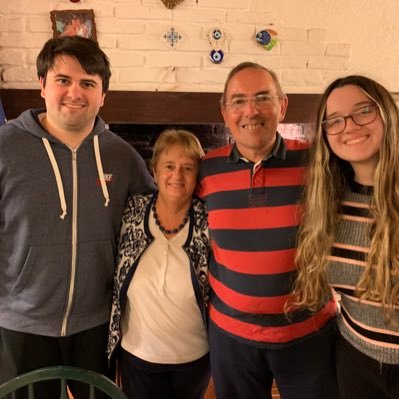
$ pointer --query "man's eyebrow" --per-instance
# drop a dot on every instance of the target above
(60, 75)
(235, 95)
(86, 80)
(89, 81)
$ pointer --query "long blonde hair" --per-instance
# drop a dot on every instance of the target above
(326, 180)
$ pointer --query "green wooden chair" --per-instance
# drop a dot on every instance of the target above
(64, 374)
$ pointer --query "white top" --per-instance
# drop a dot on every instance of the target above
(162, 322)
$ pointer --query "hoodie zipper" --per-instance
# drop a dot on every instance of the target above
(74, 244)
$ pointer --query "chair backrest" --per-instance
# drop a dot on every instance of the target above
(64, 374)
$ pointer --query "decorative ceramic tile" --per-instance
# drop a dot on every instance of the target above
(266, 39)
(172, 37)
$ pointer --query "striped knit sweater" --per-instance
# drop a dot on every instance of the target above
(361, 323)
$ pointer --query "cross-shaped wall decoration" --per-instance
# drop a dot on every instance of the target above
(172, 37)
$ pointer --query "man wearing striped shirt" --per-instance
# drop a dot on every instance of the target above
(252, 189)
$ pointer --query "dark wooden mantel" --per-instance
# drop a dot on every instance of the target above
(145, 107)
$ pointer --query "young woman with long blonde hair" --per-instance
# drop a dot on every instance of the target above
(349, 239)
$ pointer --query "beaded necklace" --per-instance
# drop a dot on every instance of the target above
(175, 230)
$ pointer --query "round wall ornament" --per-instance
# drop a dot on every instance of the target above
(216, 38)
(171, 3)
(266, 39)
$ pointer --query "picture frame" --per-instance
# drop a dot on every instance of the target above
(74, 22)
(171, 3)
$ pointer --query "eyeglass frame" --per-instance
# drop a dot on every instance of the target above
(248, 99)
(345, 118)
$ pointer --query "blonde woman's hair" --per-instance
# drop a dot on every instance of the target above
(326, 180)
(171, 137)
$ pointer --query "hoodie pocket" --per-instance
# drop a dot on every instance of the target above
(94, 277)
(42, 283)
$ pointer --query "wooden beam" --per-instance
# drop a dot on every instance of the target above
(145, 107)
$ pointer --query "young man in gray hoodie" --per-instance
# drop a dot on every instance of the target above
(64, 183)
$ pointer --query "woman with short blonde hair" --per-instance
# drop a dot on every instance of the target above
(158, 327)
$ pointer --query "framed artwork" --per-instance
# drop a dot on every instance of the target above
(171, 3)
(74, 22)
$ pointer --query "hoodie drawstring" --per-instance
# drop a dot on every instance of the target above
(57, 177)
(100, 170)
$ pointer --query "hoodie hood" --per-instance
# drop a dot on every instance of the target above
(29, 120)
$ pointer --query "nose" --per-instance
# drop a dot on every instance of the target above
(251, 108)
(74, 91)
(351, 125)
(178, 172)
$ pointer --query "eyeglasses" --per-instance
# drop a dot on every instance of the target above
(362, 117)
(261, 101)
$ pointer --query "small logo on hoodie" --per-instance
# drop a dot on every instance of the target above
(107, 177)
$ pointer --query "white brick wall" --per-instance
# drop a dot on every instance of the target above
(317, 41)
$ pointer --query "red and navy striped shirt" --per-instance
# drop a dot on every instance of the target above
(253, 220)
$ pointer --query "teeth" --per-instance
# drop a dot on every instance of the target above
(252, 127)
(74, 105)
(357, 140)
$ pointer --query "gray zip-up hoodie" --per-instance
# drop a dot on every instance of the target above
(60, 215)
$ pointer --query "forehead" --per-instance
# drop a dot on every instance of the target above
(344, 99)
(70, 66)
(250, 81)
(175, 152)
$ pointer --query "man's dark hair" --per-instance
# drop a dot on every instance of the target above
(86, 51)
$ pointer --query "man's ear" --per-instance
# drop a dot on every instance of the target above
(102, 101)
(223, 112)
(42, 83)
(283, 107)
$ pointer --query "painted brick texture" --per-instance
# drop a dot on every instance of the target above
(313, 46)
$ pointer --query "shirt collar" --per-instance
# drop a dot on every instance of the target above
(279, 151)
(358, 188)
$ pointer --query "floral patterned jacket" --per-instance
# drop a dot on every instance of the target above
(135, 238)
